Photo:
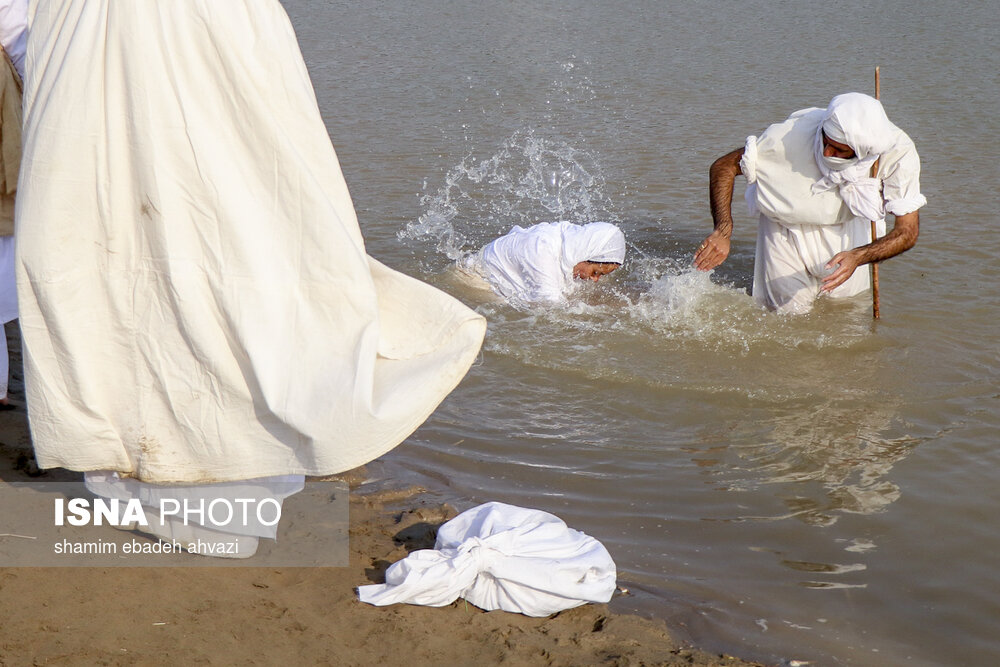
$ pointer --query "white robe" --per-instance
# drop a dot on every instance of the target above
(196, 301)
(536, 263)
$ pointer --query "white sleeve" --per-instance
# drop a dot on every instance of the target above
(900, 172)
(748, 167)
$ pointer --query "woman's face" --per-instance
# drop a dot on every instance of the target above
(593, 270)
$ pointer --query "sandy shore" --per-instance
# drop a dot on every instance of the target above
(255, 615)
(118, 616)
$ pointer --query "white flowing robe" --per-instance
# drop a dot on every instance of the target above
(196, 300)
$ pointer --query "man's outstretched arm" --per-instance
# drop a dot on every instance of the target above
(722, 176)
(902, 237)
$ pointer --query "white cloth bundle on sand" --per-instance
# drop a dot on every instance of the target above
(500, 556)
(196, 301)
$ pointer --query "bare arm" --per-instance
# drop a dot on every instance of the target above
(722, 176)
(902, 237)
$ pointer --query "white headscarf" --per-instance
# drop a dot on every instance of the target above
(593, 242)
(859, 121)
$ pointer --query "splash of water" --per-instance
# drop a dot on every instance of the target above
(529, 179)
(651, 303)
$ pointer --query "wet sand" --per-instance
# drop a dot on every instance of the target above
(251, 615)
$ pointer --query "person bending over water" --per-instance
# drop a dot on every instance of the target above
(808, 179)
(539, 264)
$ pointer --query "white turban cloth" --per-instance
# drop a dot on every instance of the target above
(500, 556)
(858, 121)
(536, 263)
(594, 242)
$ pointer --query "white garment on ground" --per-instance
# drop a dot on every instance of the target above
(500, 556)
(810, 224)
(196, 301)
(536, 263)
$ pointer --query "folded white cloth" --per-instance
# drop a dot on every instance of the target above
(500, 556)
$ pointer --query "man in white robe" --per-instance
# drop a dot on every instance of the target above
(197, 305)
(540, 263)
(809, 179)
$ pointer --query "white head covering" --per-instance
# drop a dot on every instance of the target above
(593, 242)
(859, 121)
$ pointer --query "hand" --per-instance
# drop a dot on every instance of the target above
(845, 262)
(713, 251)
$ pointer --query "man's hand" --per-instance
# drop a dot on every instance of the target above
(845, 262)
(715, 248)
(901, 238)
(713, 251)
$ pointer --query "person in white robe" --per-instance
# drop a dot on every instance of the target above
(197, 304)
(809, 180)
(540, 263)
(13, 36)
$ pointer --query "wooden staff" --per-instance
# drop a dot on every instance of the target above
(875, 298)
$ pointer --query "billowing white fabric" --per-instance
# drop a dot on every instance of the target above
(780, 168)
(196, 300)
(500, 556)
(859, 121)
(536, 263)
